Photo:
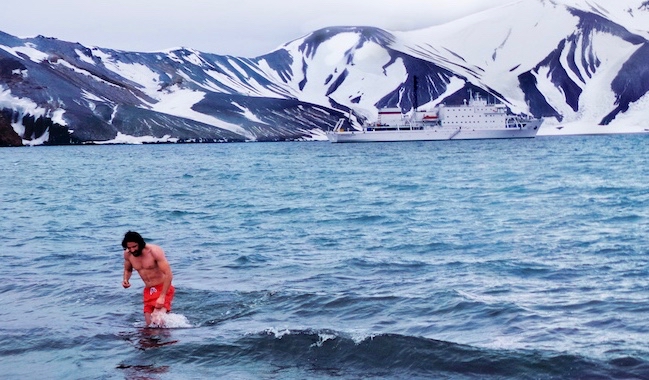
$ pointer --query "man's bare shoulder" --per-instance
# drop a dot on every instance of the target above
(156, 251)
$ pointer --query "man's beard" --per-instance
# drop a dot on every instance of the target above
(137, 253)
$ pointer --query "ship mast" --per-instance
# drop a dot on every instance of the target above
(415, 90)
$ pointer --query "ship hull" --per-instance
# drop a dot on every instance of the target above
(433, 134)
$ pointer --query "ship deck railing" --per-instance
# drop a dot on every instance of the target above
(377, 128)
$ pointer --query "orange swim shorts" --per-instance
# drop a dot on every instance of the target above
(152, 294)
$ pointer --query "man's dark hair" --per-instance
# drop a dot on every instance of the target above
(133, 237)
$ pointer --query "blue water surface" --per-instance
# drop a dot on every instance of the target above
(459, 260)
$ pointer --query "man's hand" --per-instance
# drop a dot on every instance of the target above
(126, 284)
(160, 303)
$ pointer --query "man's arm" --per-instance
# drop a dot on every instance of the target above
(128, 271)
(165, 268)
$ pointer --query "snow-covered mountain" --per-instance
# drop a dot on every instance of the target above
(583, 65)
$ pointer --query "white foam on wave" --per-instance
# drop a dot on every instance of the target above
(323, 337)
(277, 333)
(170, 321)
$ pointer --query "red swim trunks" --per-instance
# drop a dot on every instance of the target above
(152, 294)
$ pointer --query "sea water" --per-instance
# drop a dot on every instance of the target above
(522, 259)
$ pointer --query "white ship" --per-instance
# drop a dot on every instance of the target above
(475, 120)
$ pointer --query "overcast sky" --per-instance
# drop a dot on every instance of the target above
(247, 28)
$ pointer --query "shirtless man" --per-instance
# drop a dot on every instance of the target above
(151, 264)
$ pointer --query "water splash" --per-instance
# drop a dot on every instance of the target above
(169, 321)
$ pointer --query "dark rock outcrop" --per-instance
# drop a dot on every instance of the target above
(8, 137)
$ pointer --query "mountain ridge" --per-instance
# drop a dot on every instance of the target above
(570, 61)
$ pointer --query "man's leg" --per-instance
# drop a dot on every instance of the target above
(157, 318)
(147, 319)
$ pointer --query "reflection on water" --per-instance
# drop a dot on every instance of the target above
(147, 338)
(142, 372)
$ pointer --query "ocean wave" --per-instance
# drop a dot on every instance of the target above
(333, 353)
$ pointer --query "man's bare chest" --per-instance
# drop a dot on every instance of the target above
(145, 263)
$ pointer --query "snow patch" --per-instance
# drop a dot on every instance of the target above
(57, 116)
(83, 57)
(23, 73)
(32, 52)
(137, 73)
(635, 117)
(588, 128)
(172, 55)
(105, 57)
(179, 102)
(28, 49)
(37, 141)
(66, 64)
(127, 139)
(631, 122)
(23, 105)
(85, 94)
(246, 112)
(315, 134)
(236, 66)
(194, 59)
